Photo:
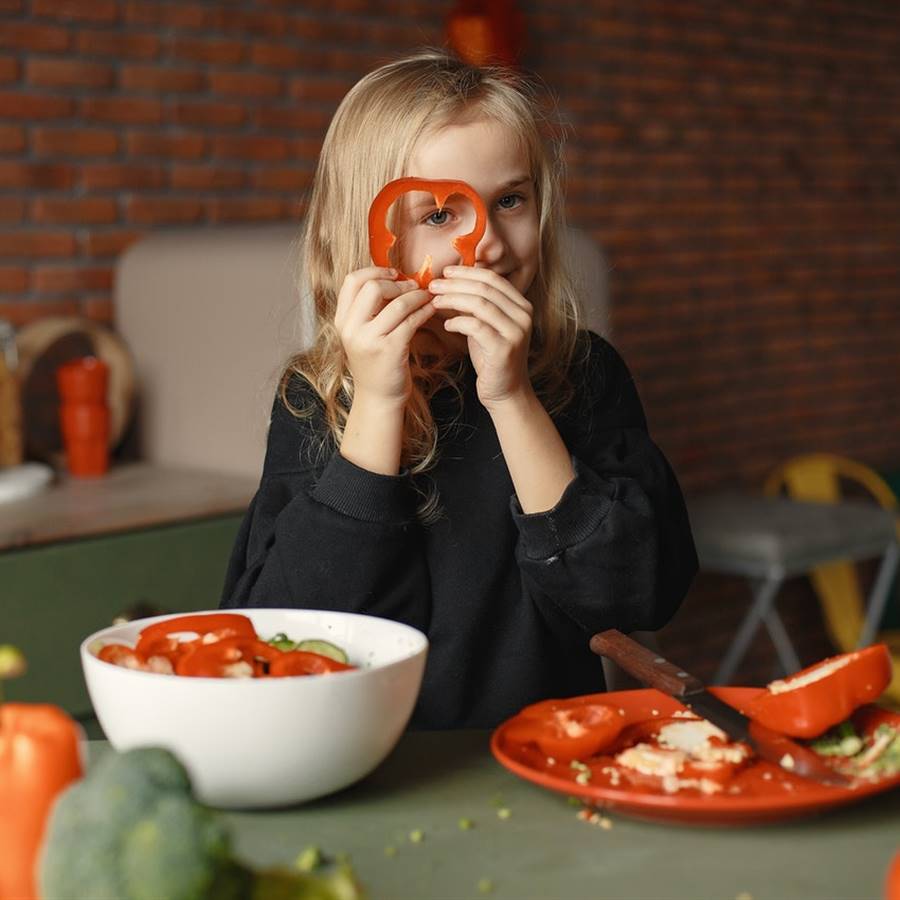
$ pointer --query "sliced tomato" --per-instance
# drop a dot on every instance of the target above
(158, 640)
(302, 662)
(566, 729)
(234, 657)
(810, 702)
(122, 655)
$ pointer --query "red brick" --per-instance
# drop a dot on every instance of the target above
(318, 89)
(180, 15)
(252, 209)
(98, 308)
(216, 51)
(99, 244)
(12, 209)
(13, 279)
(246, 22)
(77, 10)
(24, 311)
(282, 179)
(206, 177)
(305, 148)
(166, 146)
(67, 73)
(215, 115)
(106, 176)
(34, 38)
(63, 279)
(278, 56)
(254, 147)
(12, 138)
(75, 211)
(34, 106)
(245, 84)
(159, 210)
(292, 118)
(124, 110)
(74, 142)
(161, 79)
(37, 243)
(9, 70)
(18, 175)
(118, 44)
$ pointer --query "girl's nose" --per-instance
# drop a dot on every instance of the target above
(491, 247)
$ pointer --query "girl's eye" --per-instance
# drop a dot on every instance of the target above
(510, 201)
(438, 217)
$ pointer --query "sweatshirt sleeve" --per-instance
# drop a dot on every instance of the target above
(616, 551)
(322, 533)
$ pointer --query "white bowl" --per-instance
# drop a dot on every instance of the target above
(257, 742)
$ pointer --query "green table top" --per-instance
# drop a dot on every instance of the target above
(542, 849)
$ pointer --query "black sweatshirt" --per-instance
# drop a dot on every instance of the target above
(508, 601)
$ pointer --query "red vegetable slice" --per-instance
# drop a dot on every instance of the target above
(157, 640)
(381, 238)
(234, 657)
(121, 655)
(810, 702)
(302, 662)
(566, 729)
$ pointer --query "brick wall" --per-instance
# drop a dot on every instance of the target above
(739, 163)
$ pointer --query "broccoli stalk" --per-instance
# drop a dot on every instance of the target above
(132, 830)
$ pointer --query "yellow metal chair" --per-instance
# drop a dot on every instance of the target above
(818, 477)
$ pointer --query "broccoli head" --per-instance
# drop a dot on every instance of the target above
(132, 830)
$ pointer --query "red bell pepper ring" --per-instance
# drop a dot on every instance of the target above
(302, 662)
(381, 238)
(122, 655)
(158, 640)
(566, 729)
(233, 657)
(810, 702)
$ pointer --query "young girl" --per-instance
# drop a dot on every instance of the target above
(460, 458)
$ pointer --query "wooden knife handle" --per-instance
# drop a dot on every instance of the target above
(645, 665)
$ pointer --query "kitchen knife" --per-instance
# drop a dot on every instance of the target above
(651, 669)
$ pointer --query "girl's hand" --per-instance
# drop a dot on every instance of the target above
(496, 320)
(376, 319)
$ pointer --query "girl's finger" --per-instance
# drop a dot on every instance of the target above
(371, 300)
(354, 282)
(479, 331)
(446, 287)
(399, 309)
(488, 277)
(478, 307)
(413, 322)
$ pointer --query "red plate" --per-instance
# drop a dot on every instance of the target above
(768, 792)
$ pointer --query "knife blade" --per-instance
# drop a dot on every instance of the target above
(655, 671)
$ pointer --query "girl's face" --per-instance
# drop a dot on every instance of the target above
(487, 156)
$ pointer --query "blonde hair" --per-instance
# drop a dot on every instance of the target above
(370, 142)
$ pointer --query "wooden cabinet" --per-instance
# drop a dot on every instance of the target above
(74, 557)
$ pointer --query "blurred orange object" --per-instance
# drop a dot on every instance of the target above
(892, 880)
(84, 415)
(485, 32)
(39, 756)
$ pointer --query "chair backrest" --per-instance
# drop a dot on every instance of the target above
(212, 314)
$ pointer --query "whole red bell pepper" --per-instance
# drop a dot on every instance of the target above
(39, 756)
(381, 238)
(810, 702)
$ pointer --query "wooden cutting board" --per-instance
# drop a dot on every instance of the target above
(46, 344)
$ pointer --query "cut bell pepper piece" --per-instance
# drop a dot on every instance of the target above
(810, 702)
(381, 238)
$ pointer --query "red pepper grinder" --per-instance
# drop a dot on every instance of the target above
(84, 415)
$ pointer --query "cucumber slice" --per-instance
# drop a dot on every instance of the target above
(323, 648)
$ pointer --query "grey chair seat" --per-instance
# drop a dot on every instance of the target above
(759, 536)
(769, 539)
